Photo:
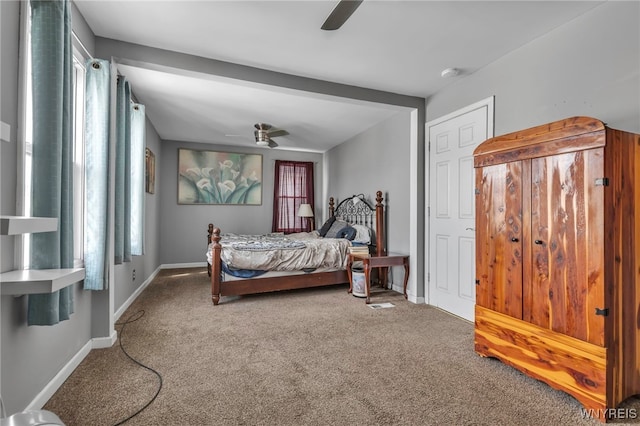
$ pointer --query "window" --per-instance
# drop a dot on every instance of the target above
(78, 133)
(293, 186)
(79, 73)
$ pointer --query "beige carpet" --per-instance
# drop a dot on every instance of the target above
(306, 357)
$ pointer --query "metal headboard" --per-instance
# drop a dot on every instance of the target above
(360, 212)
(356, 209)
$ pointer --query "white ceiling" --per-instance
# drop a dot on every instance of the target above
(395, 46)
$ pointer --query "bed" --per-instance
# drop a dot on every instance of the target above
(228, 254)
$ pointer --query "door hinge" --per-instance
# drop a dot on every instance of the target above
(477, 282)
(428, 277)
(604, 312)
(477, 191)
(602, 181)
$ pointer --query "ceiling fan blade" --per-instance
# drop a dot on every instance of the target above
(276, 133)
(340, 14)
(272, 144)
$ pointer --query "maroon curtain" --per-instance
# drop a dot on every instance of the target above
(293, 186)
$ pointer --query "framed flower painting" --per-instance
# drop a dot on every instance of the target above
(212, 177)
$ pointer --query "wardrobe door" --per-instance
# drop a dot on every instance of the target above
(499, 238)
(567, 235)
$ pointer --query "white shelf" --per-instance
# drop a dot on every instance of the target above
(14, 225)
(36, 281)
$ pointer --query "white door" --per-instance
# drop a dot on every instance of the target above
(451, 230)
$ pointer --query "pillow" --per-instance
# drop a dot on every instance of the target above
(363, 234)
(347, 232)
(326, 226)
(336, 227)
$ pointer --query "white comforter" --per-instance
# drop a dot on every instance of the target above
(244, 252)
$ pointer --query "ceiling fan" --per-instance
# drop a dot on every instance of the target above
(263, 134)
(340, 14)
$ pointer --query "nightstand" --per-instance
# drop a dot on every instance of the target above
(383, 262)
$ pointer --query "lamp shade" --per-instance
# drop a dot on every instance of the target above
(305, 210)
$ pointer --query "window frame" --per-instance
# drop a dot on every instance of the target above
(294, 200)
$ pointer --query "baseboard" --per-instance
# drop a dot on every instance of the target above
(415, 299)
(410, 297)
(183, 265)
(96, 343)
(55, 383)
(134, 296)
(104, 342)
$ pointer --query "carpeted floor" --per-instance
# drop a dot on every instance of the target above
(305, 357)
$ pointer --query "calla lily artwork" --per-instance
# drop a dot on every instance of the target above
(211, 177)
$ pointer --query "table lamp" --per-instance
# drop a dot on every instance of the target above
(305, 210)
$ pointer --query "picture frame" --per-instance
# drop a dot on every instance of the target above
(217, 177)
(149, 171)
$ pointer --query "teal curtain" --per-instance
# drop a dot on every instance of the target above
(122, 249)
(128, 218)
(137, 178)
(52, 152)
(97, 94)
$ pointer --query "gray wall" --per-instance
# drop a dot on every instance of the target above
(184, 227)
(147, 264)
(30, 357)
(377, 160)
(589, 66)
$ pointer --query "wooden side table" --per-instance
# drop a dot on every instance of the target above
(383, 262)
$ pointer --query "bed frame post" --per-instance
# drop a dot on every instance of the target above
(380, 249)
(332, 210)
(209, 233)
(216, 265)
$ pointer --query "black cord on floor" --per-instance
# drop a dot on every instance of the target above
(129, 320)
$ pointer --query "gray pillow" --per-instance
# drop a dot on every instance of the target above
(325, 227)
(335, 228)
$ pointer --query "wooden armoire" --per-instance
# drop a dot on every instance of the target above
(558, 258)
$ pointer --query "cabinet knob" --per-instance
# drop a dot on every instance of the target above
(538, 242)
(514, 239)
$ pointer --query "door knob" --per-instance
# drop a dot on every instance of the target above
(538, 242)
(514, 239)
